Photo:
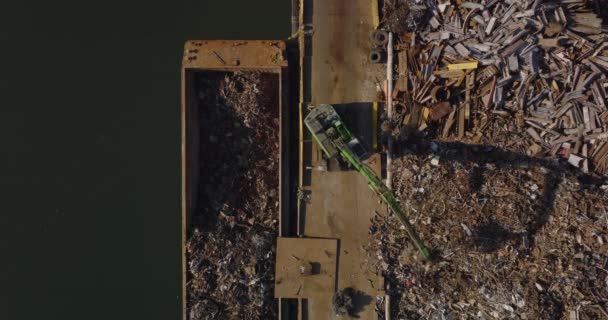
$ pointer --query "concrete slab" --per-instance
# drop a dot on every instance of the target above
(341, 204)
(317, 256)
(341, 71)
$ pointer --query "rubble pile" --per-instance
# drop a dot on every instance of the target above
(231, 249)
(515, 237)
(404, 16)
(526, 75)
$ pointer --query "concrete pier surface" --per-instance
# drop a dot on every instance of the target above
(338, 72)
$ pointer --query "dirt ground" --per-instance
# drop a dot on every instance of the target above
(231, 248)
(515, 237)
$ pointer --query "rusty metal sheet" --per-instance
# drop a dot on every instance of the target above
(234, 54)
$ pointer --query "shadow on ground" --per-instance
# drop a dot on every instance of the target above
(351, 302)
(491, 235)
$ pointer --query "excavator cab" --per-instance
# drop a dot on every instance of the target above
(358, 149)
(353, 143)
(331, 134)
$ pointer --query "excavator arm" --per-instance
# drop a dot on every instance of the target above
(336, 140)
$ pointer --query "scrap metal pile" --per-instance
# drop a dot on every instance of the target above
(231, 250)
(501, 151)
(526, 75)
(515, 237)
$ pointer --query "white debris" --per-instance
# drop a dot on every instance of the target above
(466, 229)
(435, 161)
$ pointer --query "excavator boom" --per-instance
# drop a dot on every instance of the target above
(336, 140)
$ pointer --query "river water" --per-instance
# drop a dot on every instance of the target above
(90, 225)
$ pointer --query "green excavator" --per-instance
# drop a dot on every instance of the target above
(335, 139)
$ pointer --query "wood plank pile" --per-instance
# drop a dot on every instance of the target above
(525, 75)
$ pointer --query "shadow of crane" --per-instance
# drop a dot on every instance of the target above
(491, 235)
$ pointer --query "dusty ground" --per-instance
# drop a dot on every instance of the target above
(515, 237)
(231, 250)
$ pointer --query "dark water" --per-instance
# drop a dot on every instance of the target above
(89, 129)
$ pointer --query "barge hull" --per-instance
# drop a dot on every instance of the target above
(207, 56)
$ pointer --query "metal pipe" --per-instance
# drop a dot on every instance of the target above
(295, 7)
(301, 49)
(387, 307)
(389, 108)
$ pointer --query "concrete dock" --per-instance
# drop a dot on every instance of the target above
(340, 206)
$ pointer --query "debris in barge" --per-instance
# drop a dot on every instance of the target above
(516, 237)
(528, 76)
(231, 250)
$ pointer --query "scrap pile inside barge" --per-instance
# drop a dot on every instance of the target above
(231, 250)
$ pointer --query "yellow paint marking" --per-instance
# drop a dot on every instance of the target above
(463, 66)
(375, 14)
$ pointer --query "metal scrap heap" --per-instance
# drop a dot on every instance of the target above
(515, 237)
(231, 250)
(500, 127)
(528, 76)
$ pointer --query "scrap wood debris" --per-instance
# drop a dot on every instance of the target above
(516, 237)
(513, 95)
(525, 75)
(231, 249)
